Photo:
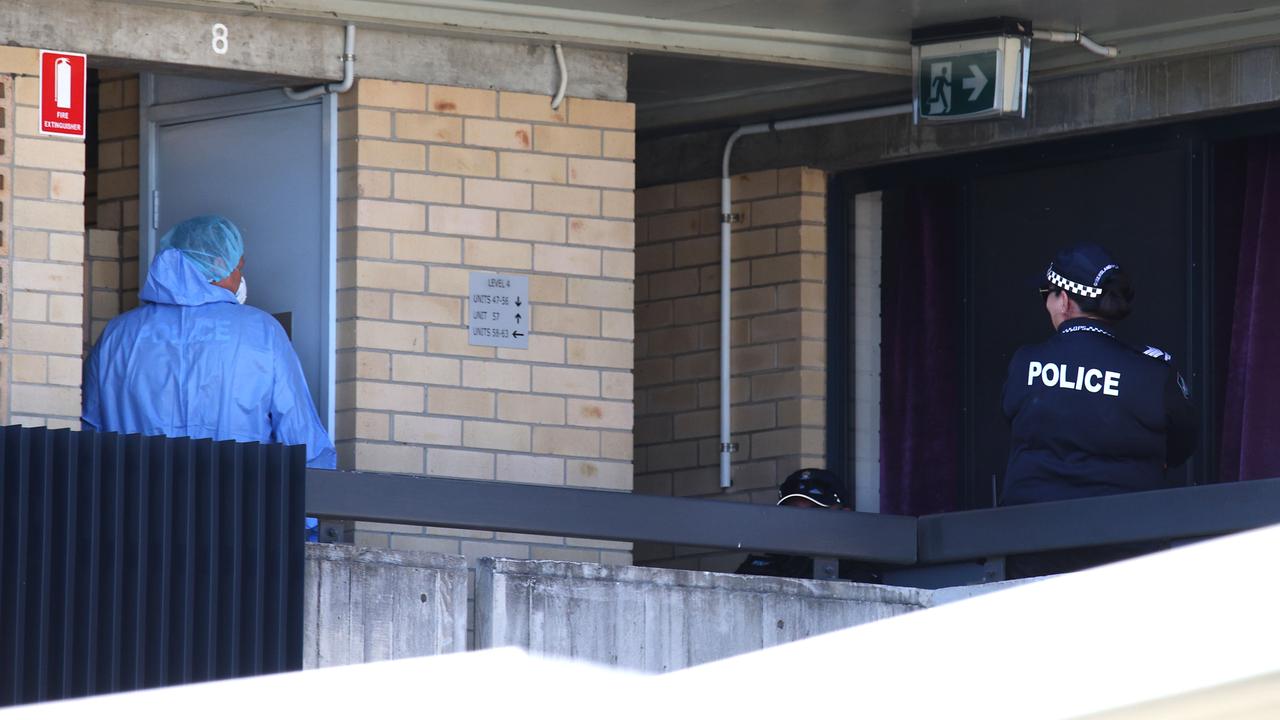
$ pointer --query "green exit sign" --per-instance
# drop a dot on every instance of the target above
(958, 86)
(974, 78)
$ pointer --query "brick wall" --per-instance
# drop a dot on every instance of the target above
(111, 261)
(43, 261)
(436, 182)
(778, 334)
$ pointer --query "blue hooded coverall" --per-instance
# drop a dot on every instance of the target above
(192, 362)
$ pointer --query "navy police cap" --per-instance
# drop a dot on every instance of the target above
(1080, 270)
(818, 486)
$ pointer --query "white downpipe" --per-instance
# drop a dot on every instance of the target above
(348, 72)
(726, 256)
(1076, 37)
(564, 78)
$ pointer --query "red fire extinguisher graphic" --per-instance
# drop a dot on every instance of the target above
(62, 82)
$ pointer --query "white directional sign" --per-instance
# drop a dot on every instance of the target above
(971, 79)
(498, 310)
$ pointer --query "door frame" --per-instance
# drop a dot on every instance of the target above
(153, 116)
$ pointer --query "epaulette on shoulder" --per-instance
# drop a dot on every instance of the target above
(1157, 353)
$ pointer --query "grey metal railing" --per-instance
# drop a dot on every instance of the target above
(1174, 514)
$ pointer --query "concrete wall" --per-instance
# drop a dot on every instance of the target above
(778, 334)
(658, 620)
(42, 261)
(364, 604)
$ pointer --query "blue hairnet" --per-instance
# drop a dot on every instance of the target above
(211, 242)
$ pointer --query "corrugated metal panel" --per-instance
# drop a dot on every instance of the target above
(130, 562)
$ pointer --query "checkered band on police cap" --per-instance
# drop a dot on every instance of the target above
(1080, 270)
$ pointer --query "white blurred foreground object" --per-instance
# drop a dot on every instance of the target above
(1190, 633)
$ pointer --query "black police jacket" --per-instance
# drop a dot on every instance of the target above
(1092, 415)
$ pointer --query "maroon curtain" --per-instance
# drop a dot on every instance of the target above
(920, 355)
(1250, 443)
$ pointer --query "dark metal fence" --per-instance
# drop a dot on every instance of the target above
(130, 562)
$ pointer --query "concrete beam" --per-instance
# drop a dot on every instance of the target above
(120, 34)
(1116, 98)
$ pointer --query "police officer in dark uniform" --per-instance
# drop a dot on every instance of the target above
(1090, 414)
(812, 488)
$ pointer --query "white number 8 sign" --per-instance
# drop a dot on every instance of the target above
(220, 38)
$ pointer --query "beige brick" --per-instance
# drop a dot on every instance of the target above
(498, 194)
(600, 353)
(110, 155)
(428, 188)
(30, 306)
(26, 90)
(567, 200)
(45, 400)
(31, 245)
(30, 369)
(496, 436)
(452, 401)
(618, 204)
(364, 183)
(431, 128)
(417, 543)
(375, 334)
(567, 141)
(375, 244)
(116, 124)
(566, 381)
(601, 293)
(749, 186)
(388, 94)
(462, 101)
(619, 264)
(112, 185)
(463, 221)
(602, 475)
(656, 199)
(800, 179)
(620, 145)
(462, 464)
(617, 325)
(56, 339)
(567, 260)
(602, 173)
(364, 122)
(367, 395)
(566, 441)
(390, 215)
(547, 289)
(542, 349)
(494, 254)
(425, 369)
(454, 341)
(450, 281)
(368, 304)
(35, 183)
(392, 155)
(68, 217)
(617, 385)
(388, 458)
(428, 430)
(66, 309)
(390, 276)
(536, 409)
(562, 554)
(65, 371)
(372, 365)
(601, 233)
(498, 134)
(523, 106)
(601, 414)
(19, 61)
(562, 320)
(106, 304)
(532, 167)
(530, 226)
(464, 161)
(426, 248)
(602, 113)
(495, 375)
(48, 277)
(426, 309)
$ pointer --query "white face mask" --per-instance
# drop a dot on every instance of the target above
(242, 292)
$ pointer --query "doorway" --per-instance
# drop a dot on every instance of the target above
(269, 165)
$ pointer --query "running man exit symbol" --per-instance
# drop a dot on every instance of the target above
(958, 86)
(940, 99)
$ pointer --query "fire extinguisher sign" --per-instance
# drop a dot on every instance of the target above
(62, 93)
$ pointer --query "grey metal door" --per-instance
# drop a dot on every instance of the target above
(267, 164)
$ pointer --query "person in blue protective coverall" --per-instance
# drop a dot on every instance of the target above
(194, 361)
